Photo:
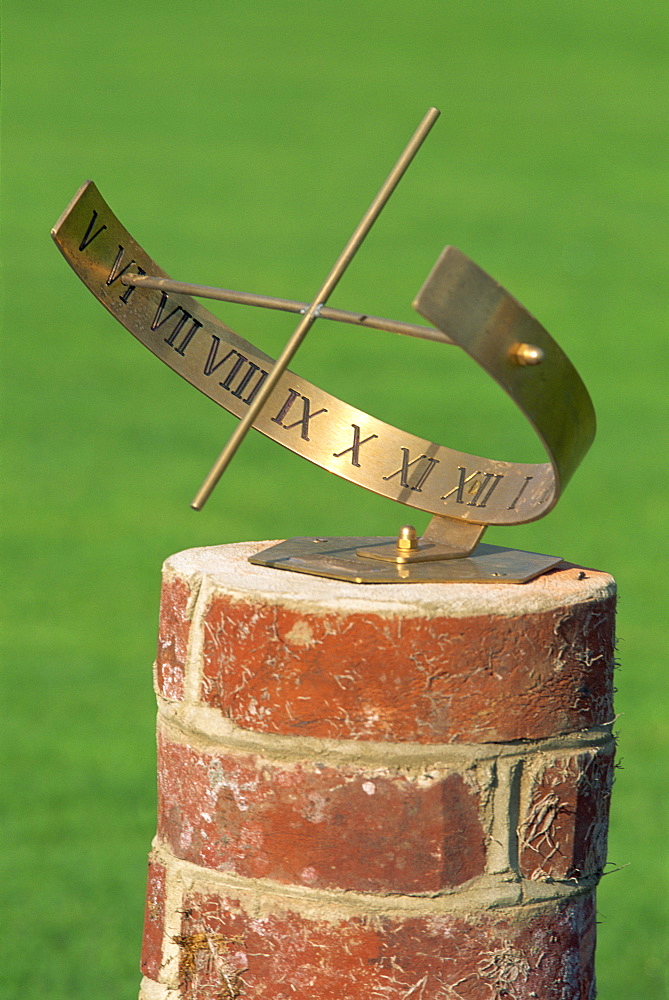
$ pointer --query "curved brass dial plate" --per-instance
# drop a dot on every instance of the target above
(458, 297)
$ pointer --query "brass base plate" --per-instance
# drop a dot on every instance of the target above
(337, 559)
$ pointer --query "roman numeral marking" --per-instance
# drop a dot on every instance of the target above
(522, 490)
(403, 471)
(304, 420)
(459, 488)
(481, 489)
(238, 363)
(293, 394)
(547, 493)
(117, 271)
(88, 239)
(178, 326)
(131, 288)
(252, 369)
(481, 493)
(355, 447)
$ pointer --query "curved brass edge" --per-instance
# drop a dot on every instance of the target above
(300, 416)
(480, 316)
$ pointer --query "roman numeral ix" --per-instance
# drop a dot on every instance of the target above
(307, 414)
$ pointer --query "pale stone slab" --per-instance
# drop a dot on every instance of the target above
(226, 570)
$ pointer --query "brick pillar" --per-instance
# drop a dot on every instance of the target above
(378, 792)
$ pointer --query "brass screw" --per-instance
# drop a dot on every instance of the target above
(526, 354)
(407, 538)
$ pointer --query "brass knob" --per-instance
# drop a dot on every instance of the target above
(407, 538)
(526, 354)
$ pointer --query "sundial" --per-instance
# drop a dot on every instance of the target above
(464, 493)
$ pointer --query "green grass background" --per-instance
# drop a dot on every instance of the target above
(240, 142)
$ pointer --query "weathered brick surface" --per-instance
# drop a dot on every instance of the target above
(563, 832)
(373, 797)
(173, 633)
(428, 680)
(319, 826)
(510, 955)
(154, 921)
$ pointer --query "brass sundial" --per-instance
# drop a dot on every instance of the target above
(464, 493)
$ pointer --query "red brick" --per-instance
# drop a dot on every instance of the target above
(564, 831)
(282, 661)
(319, 826)
(490, 678)
(508, 955)
(154, 921)
(173, 634)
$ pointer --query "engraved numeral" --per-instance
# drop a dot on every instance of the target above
(403, 471)
(481, 489)
(238, 363)
(304, 420)
(117, 271)
(546, 495)
(246, 378)
(461, 485)
(178, 326)
(88, 239)
(355, 447)
(522, 490)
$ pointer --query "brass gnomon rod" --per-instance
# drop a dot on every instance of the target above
(312, 313)
(464, 493)
(284, 305)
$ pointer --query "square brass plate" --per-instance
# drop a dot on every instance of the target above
(336, 558)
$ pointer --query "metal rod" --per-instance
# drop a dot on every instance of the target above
(314, 309)
(286, 305)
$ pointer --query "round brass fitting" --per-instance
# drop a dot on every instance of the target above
(526, 354)
(407, 539)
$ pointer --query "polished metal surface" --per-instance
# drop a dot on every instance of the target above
(312, 313)
(329, 432)
(512, 346)
(339, 559)
(288, 305)
(526, 354)
(444, 538)
(464, 493)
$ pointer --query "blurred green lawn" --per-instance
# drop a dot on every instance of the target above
(240, 143)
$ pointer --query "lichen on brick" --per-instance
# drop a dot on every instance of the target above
(563, 834)
(204, 957)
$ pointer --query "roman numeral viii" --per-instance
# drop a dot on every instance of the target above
(240, 374)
